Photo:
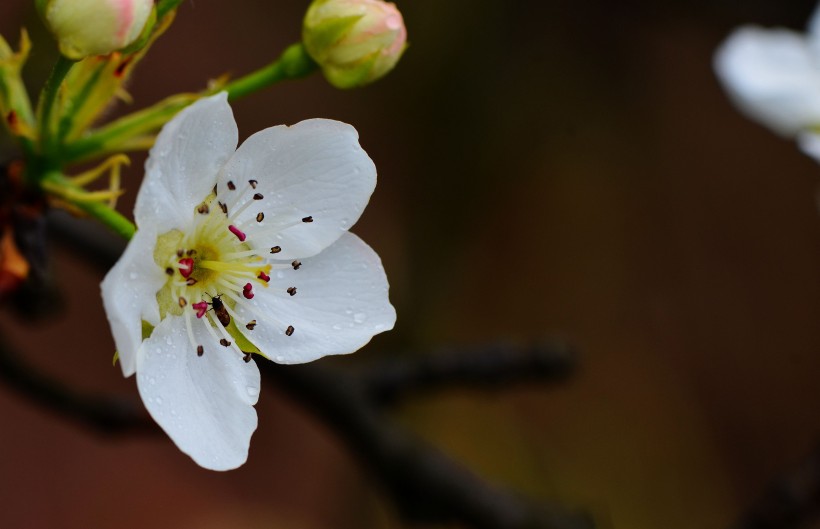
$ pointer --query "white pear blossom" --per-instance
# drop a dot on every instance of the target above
(773, 76)
(240, 252)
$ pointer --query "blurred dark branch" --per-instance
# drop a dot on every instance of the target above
(426, 485)
(104, 414)
(486, 366)
(791, 502)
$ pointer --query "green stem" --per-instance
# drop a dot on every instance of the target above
(58, 185)
(294, 63)
(48, 98)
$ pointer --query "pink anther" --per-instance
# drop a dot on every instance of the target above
(236, 231)
(263, 276)
(187, 267)
(201, 308)
(247, 291)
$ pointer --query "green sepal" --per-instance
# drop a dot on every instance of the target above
(321, 37)
(15, 106)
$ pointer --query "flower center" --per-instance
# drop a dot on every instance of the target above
(215, 267)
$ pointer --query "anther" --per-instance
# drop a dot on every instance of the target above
(247, 291)
(275, 249)
(169, 271)
(201, 308)
(180, 252)
(236, 231)
(296, 264)
(190, 281)
(253, 183)
(264, 277)
(225, 343)
(258, 196)
(231, 186)
(182, 301)
(292, 291)
(203, 209)
(200, 350)
(191, 252)
(186, 267)
(260, 217)
(224, 207)
(246, 357)
(250, 325)
(289, 330)
(309, 218)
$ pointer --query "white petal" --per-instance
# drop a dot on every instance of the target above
(340, 303)
(182, 166)
(314, 168)
(129, 293)
(813, 28)
(205, 404)
(773, 76)
(809, 143)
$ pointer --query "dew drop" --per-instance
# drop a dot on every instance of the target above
(133, 275)
(280, 275)
(359, 317)
(158, 400)
(337, 327)
(253, 391)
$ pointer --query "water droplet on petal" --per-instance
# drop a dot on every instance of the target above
(359, 317)
(337, 327)
(133, 275)
(253, 391)
(158, 400)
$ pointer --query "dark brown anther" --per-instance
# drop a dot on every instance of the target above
(250, 325)
(214, 190)
(289, 330)
(224, 342)
(309, 218)
(169, 271)
(231, 186)
(182, 301)
(260, 217)
(180, 252)
(246, 357)
(253, 183)
(275, 249)
(296, 264)
(292, 291)
(189, 253)
(203, 209)
(12, 119)
(190, 281)
(200, 350)
(258, 196)
(224, 207)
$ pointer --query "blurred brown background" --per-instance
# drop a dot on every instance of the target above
(546, 167)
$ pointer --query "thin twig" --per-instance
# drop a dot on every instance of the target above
(103, 414)
(482, 366)
(425, 485)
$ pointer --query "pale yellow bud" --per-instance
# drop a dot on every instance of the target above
(95, 27)
(354, 41)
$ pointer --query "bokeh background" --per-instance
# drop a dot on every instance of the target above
(546, 168)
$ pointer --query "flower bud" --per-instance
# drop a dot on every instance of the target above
(354, 41)
(95, 27)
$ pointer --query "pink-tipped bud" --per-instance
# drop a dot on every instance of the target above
(354, 41)
(95, 27)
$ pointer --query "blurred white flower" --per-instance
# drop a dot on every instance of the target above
(239, 252)
(773, 76)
